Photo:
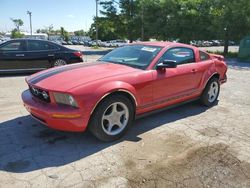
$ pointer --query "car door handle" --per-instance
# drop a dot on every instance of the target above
(51, 55)
(19, 55)
(194, 70)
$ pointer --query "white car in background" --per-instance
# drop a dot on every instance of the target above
(3, 39)
(108, 44)
(119, 43)
(95, 43)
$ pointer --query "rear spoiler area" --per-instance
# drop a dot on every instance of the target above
(216, 56)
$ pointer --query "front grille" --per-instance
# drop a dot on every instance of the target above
(40, 94)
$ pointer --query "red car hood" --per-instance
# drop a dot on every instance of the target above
(67, 77)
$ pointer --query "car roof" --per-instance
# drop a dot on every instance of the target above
(27, 39)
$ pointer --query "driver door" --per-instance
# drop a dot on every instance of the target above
(12, 55)
(173, 83)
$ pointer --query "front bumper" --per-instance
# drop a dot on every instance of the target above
(54, 116)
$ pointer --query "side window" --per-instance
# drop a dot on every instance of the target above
(38, 46)
(180, 55)
(53, 47)
(12, 46)
(203, 56)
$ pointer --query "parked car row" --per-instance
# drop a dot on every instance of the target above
(70, 42)
(108, 44)
(202, 43)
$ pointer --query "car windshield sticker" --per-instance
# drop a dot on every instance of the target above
(148, 49)
(182, 54)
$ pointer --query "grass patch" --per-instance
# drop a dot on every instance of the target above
(95, 47)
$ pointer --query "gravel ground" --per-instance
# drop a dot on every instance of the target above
(188, 146)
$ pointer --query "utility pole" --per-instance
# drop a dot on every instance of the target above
(142, 23)
(96, 22)
(226, 41)
(30, 13)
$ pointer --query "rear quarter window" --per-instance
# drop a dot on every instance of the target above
(38, 46)
(203, 56)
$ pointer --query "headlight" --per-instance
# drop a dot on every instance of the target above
(62, 98)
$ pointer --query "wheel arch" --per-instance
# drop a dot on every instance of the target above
(214, 75)
(123, 92)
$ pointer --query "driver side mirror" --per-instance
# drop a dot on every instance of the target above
(167, 64)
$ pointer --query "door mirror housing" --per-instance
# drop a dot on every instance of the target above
(167, 64)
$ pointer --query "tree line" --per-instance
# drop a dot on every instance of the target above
(184, 20)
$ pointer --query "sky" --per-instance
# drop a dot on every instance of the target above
(71, 14)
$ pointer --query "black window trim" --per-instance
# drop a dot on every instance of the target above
(158, 61)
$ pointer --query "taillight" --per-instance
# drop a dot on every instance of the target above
(78, 54)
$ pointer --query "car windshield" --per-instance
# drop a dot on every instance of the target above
(136, 56)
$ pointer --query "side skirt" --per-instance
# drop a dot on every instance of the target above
(165, 108)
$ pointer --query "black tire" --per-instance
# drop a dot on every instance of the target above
(205, 98)
(96, 125)
(59, 62)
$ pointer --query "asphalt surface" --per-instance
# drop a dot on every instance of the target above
(188, 146)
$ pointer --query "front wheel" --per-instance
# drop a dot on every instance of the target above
(211, 92)
(112, 118)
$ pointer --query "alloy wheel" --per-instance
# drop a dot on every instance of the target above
(115, 118)
(213, 92)
(59, 62)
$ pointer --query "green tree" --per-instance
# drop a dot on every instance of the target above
(79, 33)
(231, 20)
(18, 23)
(64, 34)
(16, 34)
(105, 28)
(130, 18)
(175, 19)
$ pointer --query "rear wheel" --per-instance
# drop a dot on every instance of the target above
(211, 92)
(59, 62)
(112, 118)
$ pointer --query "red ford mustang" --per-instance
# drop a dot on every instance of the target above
(105, 96)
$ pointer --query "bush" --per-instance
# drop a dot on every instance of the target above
(16, 34)
(95, 47)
